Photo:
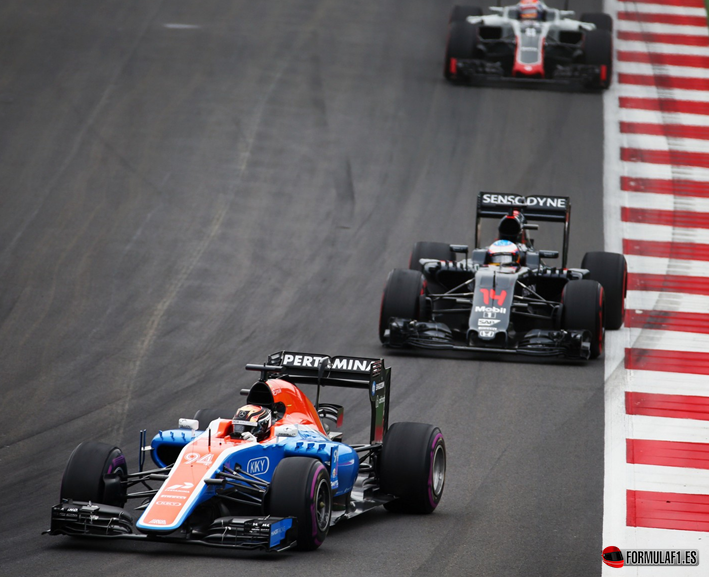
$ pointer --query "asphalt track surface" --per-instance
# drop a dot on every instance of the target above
(189, 186)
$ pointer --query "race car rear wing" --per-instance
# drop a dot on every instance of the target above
(533, 207)
(338, 371)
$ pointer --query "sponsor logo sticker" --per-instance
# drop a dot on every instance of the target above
(484, 309)
(337, 363)
(181, 488)
(312, 361)
(554, 202)
(334, 468)
(257, 466)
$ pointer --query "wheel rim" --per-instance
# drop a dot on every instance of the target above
(322, 505)
(438, 473)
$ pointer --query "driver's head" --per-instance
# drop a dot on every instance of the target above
(502, 252)
(529, 10)
(253, 419)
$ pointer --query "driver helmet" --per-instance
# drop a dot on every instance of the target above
(530, 10)
(502, 252)
(254, 420)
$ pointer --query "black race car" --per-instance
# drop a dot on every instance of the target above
(529, 41)
(504, 298)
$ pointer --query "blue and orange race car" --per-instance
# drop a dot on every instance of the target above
(272, 477)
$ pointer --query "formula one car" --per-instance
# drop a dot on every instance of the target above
(272, 477)
(529, 41)
(504, 298)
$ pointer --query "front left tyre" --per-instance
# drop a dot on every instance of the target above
(412, 467)
(598, 51)
(611, 270)
(95, 472)
(300, 488)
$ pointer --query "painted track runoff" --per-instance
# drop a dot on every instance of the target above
(657, 213)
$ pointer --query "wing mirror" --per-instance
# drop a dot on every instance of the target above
(549, 253)
(188, 424)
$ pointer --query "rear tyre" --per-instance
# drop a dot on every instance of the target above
(611, 270)
(300, 488)
(600, 19)
(434, 250)
(598, 50)
(583, 302)
(206, 416)
(402, 298)
(95, 472)
(460, 13)
(460, 46)
(412, 467)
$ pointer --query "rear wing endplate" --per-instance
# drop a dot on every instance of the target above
(533, 207)
(337, 371)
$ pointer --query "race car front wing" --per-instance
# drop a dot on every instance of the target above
(476, 71)
(86, 519)
(405, 333)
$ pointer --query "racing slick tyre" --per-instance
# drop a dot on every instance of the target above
(402, 298)
(598, 50)
(412, 467)
(600, 19)
(300, 488)
(206, 416)
(434, 250)
(95, 472)
(460, 45)
(611, 270)
(460, 13)
(583, 302)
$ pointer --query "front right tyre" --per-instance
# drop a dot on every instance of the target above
(402, 298)
(460, 45)
(583, 309)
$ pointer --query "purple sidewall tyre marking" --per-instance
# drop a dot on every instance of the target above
(313, 509)
(430, 471)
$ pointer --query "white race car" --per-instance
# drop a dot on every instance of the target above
(529, 41)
